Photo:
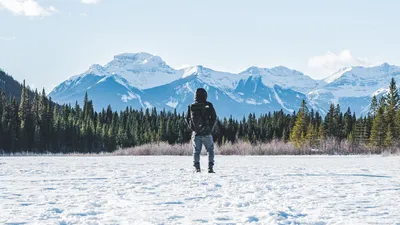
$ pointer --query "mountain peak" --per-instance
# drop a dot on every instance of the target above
(337, 74)
(96, 69)
(195, 70)
(253, 70)
(284, 71)
(142, 58)
(284, 77)
(385, 64)
(276, 71)
(133, 56)
(372, 71)
(362, 71)
(386, 67)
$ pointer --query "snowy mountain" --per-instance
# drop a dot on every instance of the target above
(142, 70)
(142, 80)
(354, 87)
(361, 81)
(250, 95)
(284, 77)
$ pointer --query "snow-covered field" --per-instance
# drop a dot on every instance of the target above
(164, 190)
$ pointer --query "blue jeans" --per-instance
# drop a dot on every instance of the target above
(197, 143)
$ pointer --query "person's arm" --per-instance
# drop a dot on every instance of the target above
(213, 115)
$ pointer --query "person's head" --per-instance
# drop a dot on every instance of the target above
(200, 95)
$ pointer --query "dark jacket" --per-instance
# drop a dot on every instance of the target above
(201, 107)
(210, 114)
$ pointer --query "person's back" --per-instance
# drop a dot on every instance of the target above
(201, 118)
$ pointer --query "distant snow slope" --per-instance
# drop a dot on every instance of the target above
(284, 77)
(164, 190)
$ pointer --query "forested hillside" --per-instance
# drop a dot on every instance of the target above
(10, 86)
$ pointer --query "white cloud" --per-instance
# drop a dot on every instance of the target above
(7, 38)
(27, 8)
(90, 1)
(331, 62)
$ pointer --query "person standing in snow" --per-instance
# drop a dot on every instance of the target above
(201, 117)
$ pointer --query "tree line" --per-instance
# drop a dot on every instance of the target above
(379, 128)
(33, 122)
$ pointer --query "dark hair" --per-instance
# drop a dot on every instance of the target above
(200, 95)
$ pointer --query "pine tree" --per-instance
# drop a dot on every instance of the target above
(338, 122)
(330, 122)
(321, 132)
(392, 104)
(3, 122)
(300, 127)
(378, 129)
(389, 138)
(347, 123)
(350, 137)
(23, 117)
(397, 125)
(161, 130)
(12, 119)
(312, 135)
(373, 107)
(358, 133)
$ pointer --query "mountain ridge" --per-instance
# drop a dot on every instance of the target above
(134, 77)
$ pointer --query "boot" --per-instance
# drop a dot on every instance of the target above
(197, 166)
(210, 168)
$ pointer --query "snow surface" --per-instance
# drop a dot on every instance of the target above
(164, 190)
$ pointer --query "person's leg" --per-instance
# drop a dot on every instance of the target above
(209, 144)
(196, 144)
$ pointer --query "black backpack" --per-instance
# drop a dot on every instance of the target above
(199, 117)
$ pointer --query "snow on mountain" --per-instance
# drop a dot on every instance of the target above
(250, 95)
(354, 87)
(103, 90)
(142, 80)
(336, 75)
(255, 92)
(223, 80)
(362, 81)
(81, 81)
(284, 77)
(142, 70)
(178, 94)
(322, 99)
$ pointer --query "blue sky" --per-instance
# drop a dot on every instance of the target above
(47, 41)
